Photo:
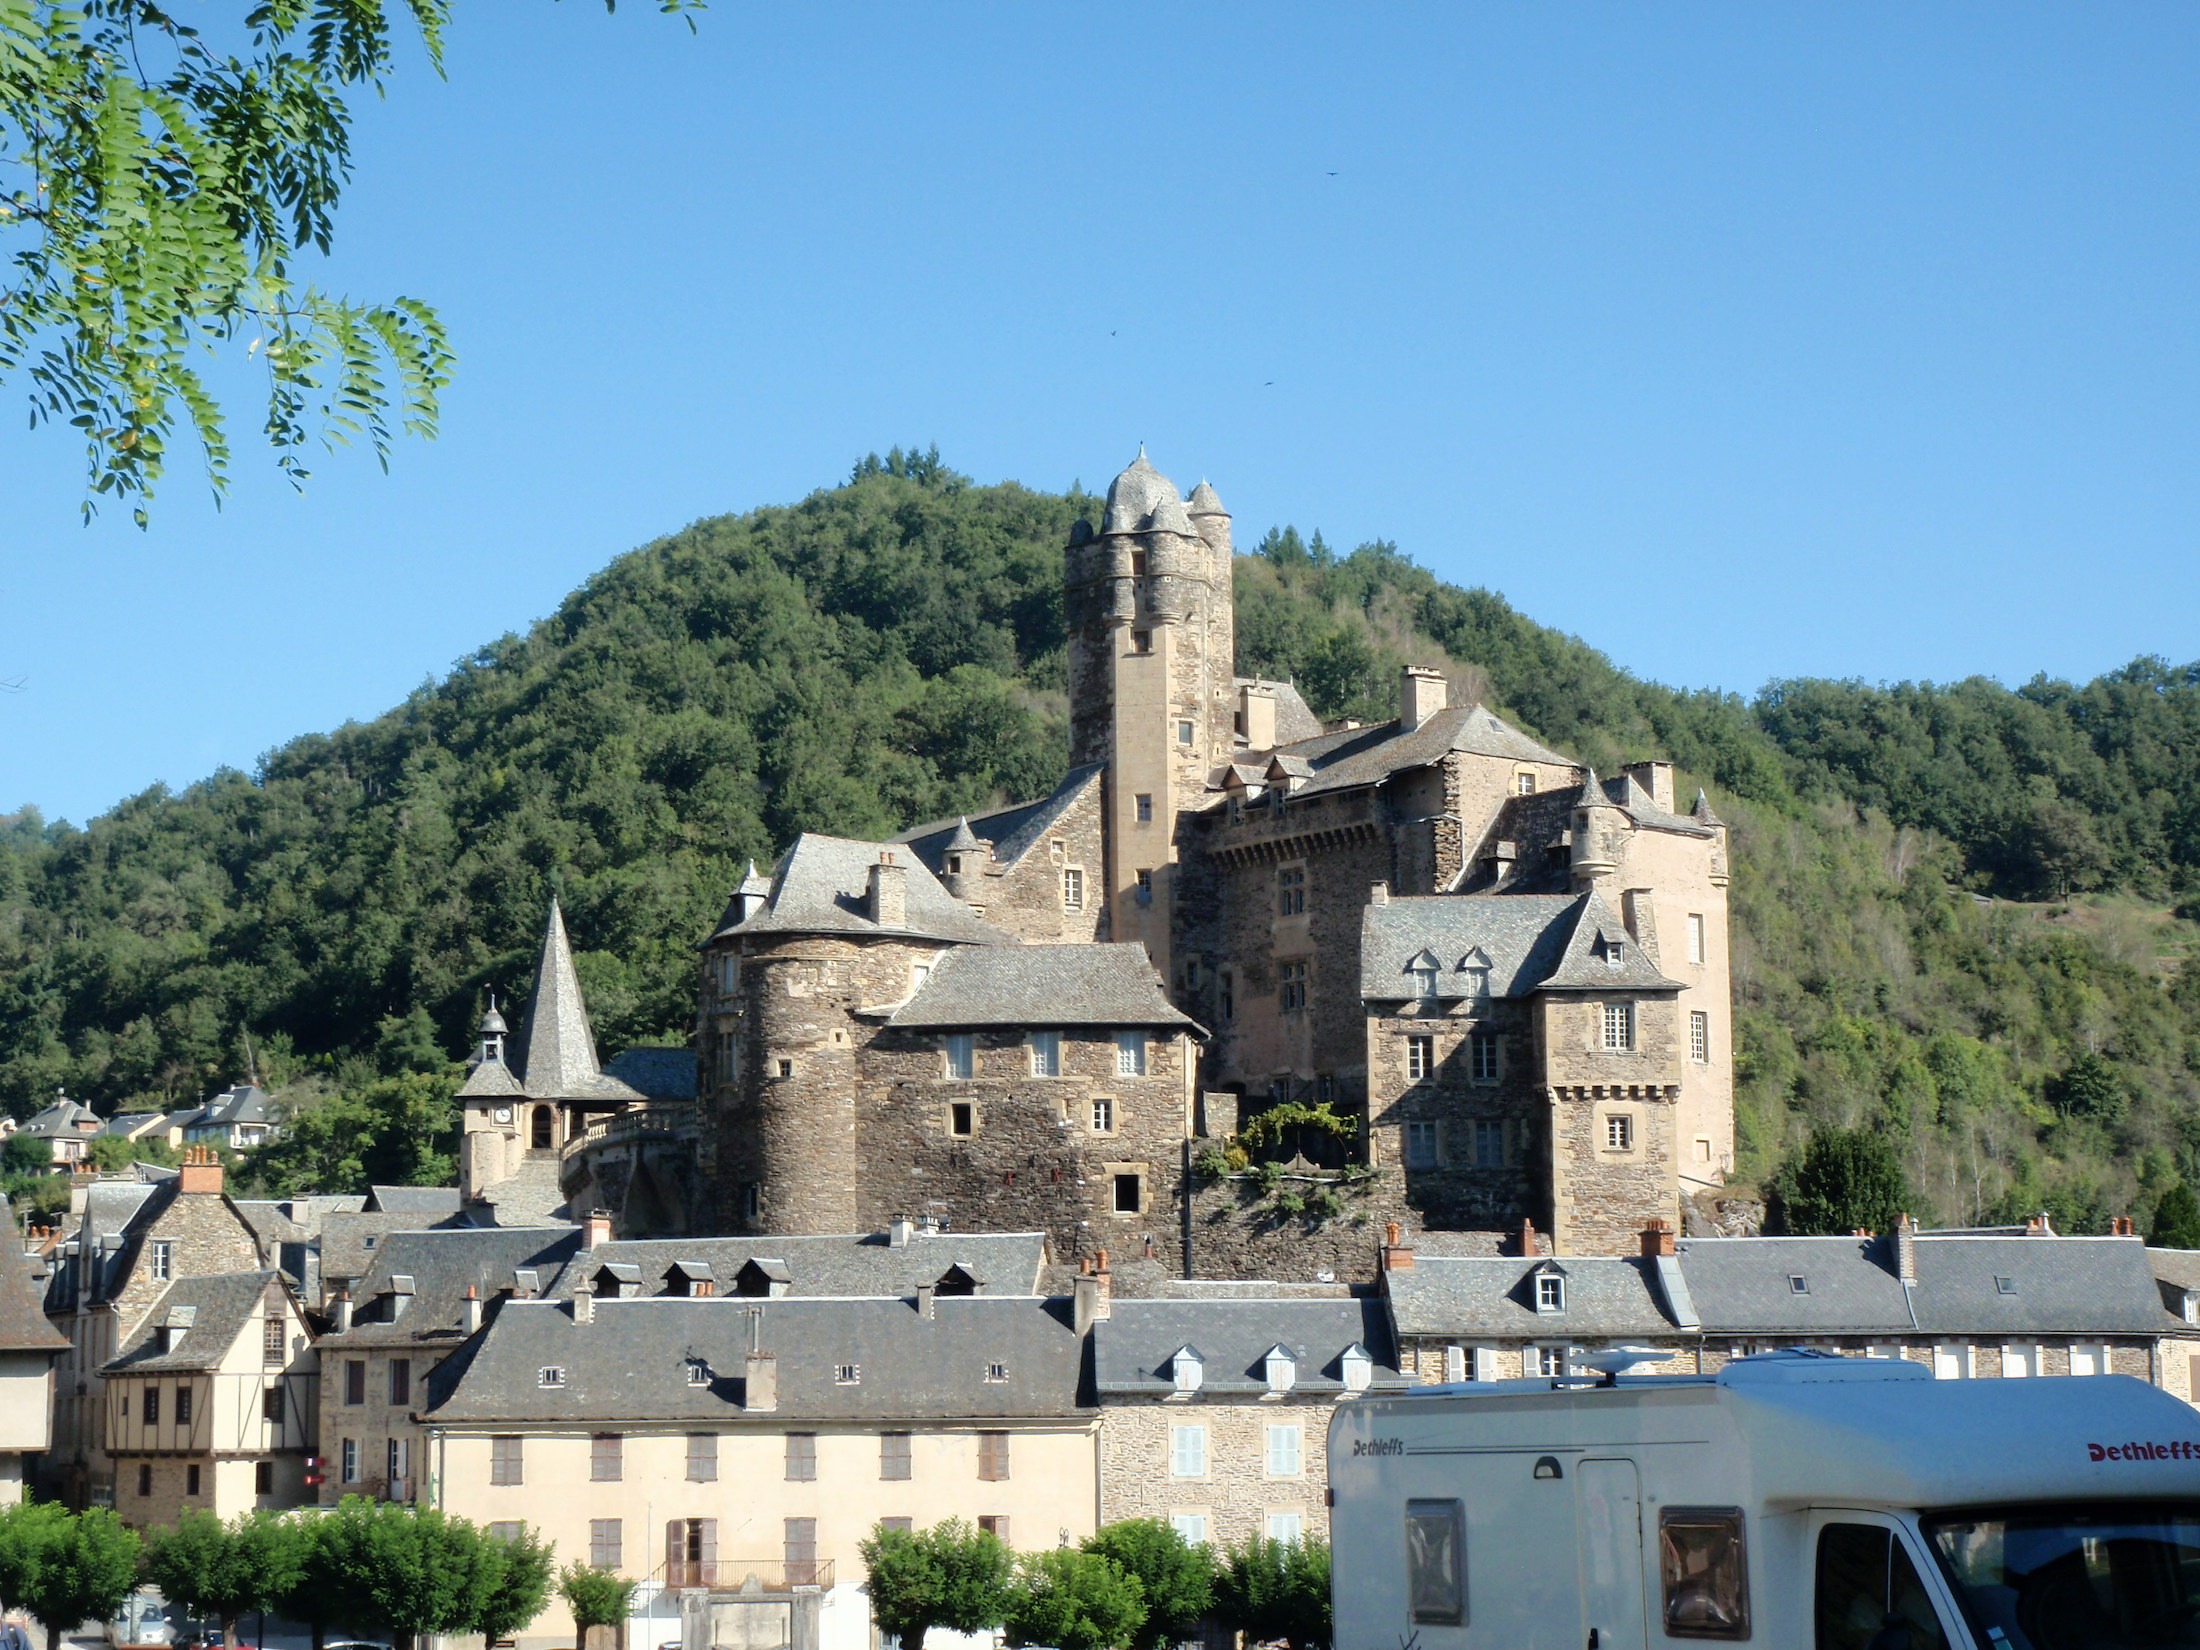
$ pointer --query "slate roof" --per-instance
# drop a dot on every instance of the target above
(1132, 1349)
(1527, 942)
(1295, 719)
(556, 1056)
(243, 1104)
(2062, 1286)
(1606, 1298)
(1041, 985)
(414, 1200)
(128, 1125)
(821, 885)
(631, 1362)
(1599, 939)
(1353, 757)
(1741, 1286)
(23, 1325)
(1004, 1263)
(1013, 832)
(105, 1241)
(219, 1306)
(350, 1242)
(442, 1265)
(656, 1073)
(1136, 494)
(63, 1119)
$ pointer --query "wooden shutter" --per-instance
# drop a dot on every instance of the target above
(801, 1552)
(707, 1542)
(676, 1553)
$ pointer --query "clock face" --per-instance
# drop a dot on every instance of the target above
(503, 1114)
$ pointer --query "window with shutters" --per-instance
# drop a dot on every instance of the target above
(994, 1525)
(504, 1460)
(801, 1457)
(1187, 1452)
(397, 1461)
(907, 1526)
(1192, 1526)
(802, 1552)
(1455, 1363)
(691, 1552)
(355, 1380)
(992, 1457)
(702, 1457)
(893, 1455)
(275, 1342)
(606, 1458)
(1285, 1450)
(606, 1544)
(1619, 1027)
(401, 1381)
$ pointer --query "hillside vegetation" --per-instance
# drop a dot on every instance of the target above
(1952, 903)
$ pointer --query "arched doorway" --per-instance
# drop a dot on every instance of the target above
(545, 1129)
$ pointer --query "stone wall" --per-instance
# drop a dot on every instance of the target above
(1457, 1191)
(1230, 1235)
(1601, 1195)
(1025, 896)
(1236, 1493)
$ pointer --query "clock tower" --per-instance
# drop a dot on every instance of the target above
(495, 1099)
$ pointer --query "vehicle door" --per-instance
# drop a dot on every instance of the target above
(1608, 1520)
(1874, 1588)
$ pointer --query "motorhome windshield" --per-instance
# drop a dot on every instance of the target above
(2076, 1578)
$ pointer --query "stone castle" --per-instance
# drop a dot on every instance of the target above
(1510, 974)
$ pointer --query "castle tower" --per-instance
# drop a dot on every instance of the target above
(1152, 683)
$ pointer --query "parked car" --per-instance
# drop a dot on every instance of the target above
(142, 1623)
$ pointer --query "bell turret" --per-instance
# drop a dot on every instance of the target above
(493, 1033)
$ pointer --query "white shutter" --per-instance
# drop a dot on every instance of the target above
(1455, 1363)
(1283, 1451)
(1188, 1453)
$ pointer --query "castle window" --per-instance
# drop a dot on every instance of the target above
(993, 1469)
(1138, 564)
(1103, 1115)
(1128, 1193)
(1046, 1054)
(698, 1372)
(1703, 1149)
(1145, 808)
(1619, 1132)
(1291, 987)
(1184, 734)
(801, 1456)
(1229, 996)
(1699, 1036)
(1619, 1027)
(1489, 1144)
(1420, 1145)
(1130, 1054)
(1524, 783)
(1073, 888)
(752, 1202)
(996, 1373)
(1141, 641)
(1420, 1058)
(1482, 1056)
(893, 1456)
(962, 1054)
(1145, 882)
(163, 1253)
(918, 974)
(786, 1068)
(1695, 937)
(962, 1117)
(1291, 891)
(1615, 957)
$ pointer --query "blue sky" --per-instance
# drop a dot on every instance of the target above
(1740, 341)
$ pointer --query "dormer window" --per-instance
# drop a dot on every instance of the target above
(1186, 1371)
(1614, 955)
(550, 1375)
(1357, 1367)
(1550, 1292)
(698, 1372)
(1280, 1370)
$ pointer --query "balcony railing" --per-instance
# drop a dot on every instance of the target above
(773, 1575)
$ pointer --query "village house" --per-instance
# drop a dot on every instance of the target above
(29, 1348)
(725, 1446)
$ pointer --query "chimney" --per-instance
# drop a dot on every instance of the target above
(1257, 716)
(1528, 1245)
(1084, 1300)
(1103, 1287)
(342, 1304)
(1905, 1249)
(2038, 1225)
(925, 1292)
(201, 1173)
(1378, 893)
(1397, 1257)
(1657, 1239)
(899, 1231)
(473, 1309)
(1421, 694)
(2121, 1227)
(596, 1229)
(889, 892)
(1656, 778)
(760, 1382)
(1641, 919)
(584, 1305)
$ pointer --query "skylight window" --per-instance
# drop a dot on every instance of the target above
(2005, 1286)
(1798, 1284)
(550, 1375)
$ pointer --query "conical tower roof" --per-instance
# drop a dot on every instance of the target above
(557, 1051)
(965, 840)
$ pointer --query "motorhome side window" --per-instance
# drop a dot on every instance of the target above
(1704, 1568)
(1436, 1562)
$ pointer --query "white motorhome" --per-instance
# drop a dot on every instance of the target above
(1795, 1499)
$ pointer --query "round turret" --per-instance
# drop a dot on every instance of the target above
(1134, 495)
(492, 1023)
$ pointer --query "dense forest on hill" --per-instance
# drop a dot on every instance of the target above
(1953, 904)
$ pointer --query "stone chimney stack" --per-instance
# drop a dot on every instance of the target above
(1656, 778)
(1084, 1300)
(760, 1383)
(1257, 715)
(473, 1309)
(1657, 1239)
(1529, 1246)
(584, 1305)
(925, 1292)
(899, 1231)
(1421, 694)
(596, 1231)
(1103, 1287)
(1905, 1249)
(342, 1305)
(1378, 893)
(1397, 1254)
(201, 1173)
(889, 892)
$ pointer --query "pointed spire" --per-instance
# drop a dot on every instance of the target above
(965, 840)
(557, 1051)
(1702, 811)
(1205, 501)
(755, 882)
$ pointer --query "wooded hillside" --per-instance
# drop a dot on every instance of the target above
(891, 650)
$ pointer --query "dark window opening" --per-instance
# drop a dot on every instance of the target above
(962, 1117)
(1127, 1189)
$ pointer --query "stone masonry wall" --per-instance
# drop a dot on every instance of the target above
(1601, 1197)
(1237, 1492)
(1231, 1236)
(1458, 1191)
(1026, 897)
